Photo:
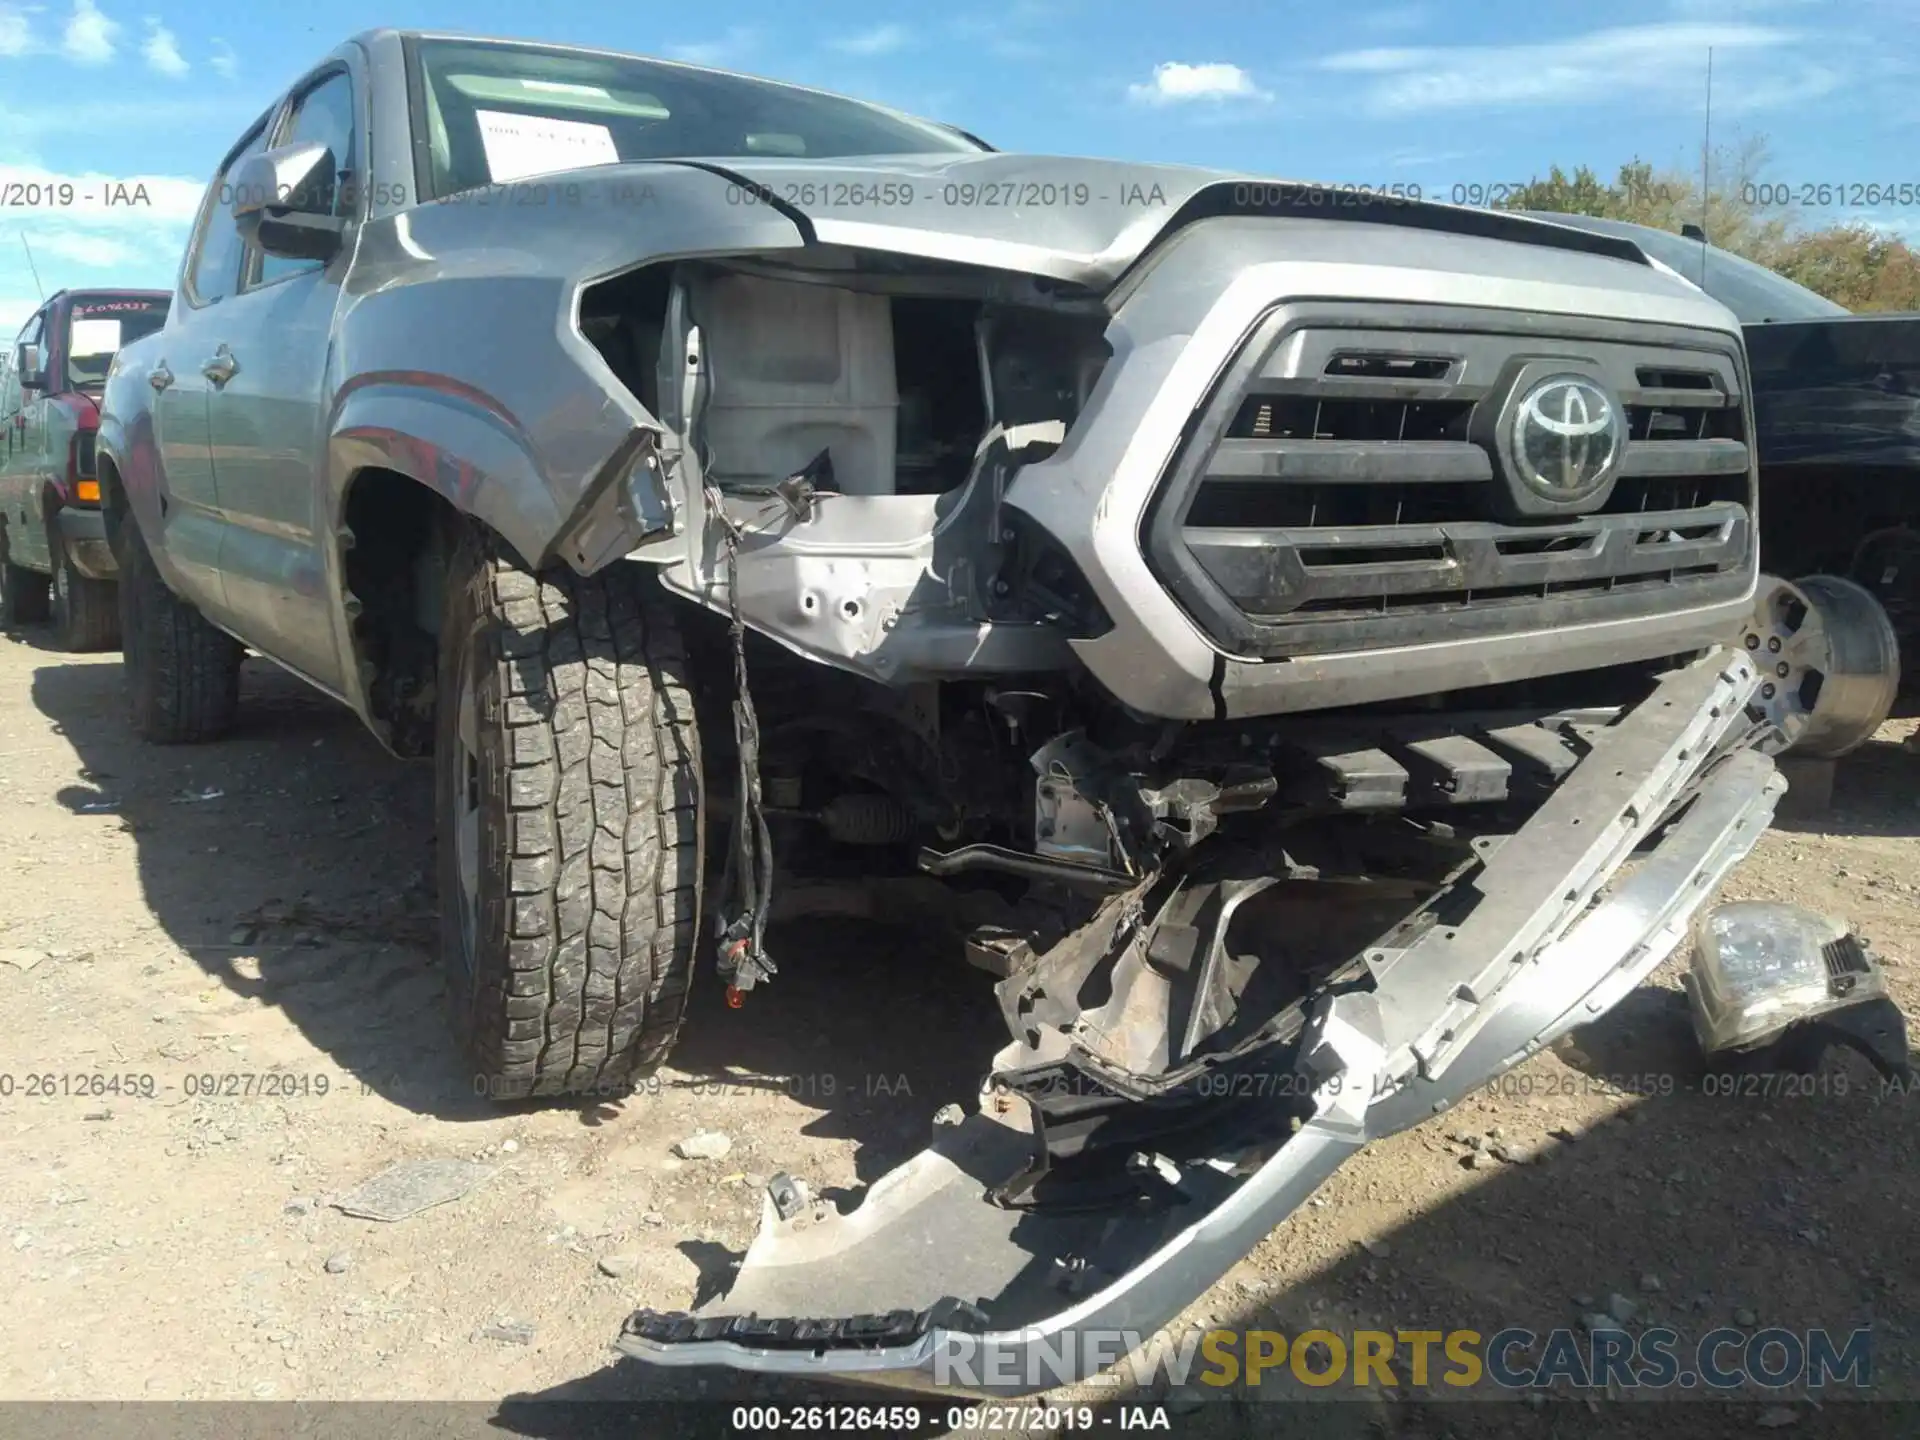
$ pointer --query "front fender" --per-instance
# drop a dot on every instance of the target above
(483, 389)
(458, 443)
(124, 448)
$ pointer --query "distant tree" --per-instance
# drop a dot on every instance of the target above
(1669, 198)
(1581, 193)
(1854, 265)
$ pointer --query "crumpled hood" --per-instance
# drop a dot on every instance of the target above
(1080, 220)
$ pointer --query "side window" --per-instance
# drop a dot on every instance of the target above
(10, 371)
(34, 332)
(12, 400)
(218, 248)
(323, 115)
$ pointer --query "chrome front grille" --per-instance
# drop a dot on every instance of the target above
(1344, 485)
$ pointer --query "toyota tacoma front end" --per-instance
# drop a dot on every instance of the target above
(1315, 638)
(1342, 668)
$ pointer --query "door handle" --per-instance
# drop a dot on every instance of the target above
(222, 367)
(160, 377)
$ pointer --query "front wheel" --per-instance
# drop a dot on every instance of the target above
(86, 613)
(567, 769)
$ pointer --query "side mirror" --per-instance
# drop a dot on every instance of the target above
(31, 376)
(282, 201)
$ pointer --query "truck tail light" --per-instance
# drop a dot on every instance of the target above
(83, 482)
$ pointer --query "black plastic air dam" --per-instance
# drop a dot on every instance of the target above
(1049, 1295)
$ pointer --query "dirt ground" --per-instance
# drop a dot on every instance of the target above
(185, 922)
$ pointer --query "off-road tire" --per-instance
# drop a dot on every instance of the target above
(86, 613)
(182, 674)
(24, 598)
(587, 873)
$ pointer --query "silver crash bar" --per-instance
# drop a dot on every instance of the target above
(1557, 938)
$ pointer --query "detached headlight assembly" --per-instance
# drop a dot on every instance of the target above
(1761, 969)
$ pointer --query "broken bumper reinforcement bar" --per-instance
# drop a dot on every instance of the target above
(935, 1286)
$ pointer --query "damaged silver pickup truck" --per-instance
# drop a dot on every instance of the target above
(1318, 637)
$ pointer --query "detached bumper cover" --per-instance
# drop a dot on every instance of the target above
(1557, 937)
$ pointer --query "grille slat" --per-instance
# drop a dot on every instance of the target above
(1355, 476)
(1357, 462)
(1685, 459)
(1276, 571)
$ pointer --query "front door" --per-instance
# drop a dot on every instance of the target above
(190, 509)
(269, 413)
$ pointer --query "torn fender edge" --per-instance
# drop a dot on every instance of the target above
(981, 1299)
(630, 501)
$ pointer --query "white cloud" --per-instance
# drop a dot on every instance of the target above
(1603, 65)
(16, 34)
(118, 230)
(83, 248)
(881, 40)
(162, 51)
(1175, 83)
(14, 310)
(1778, 92)
(102, 199)
(1419, 159)
(224, 62)
(89, 36)
(739, 42)
(217, 116)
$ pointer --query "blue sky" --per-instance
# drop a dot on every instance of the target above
(1365, 91)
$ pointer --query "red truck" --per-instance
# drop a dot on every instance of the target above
(54, 558)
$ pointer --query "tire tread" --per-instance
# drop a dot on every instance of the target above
(584, 988)
(183, 674)
(90, 620)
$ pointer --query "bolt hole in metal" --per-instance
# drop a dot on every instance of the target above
(850, 609)
(1838, 669)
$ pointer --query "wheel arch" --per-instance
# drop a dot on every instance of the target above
(115, 507)
(395, 535)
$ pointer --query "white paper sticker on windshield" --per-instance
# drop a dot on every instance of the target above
(522, 145)
(95, 337)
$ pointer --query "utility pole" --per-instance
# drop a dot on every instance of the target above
(1706, 160)
(33, 267)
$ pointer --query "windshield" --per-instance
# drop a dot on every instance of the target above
(496, 113)
(1754, 293)
(96, 330)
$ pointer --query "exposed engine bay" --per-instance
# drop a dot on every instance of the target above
(857, 422)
